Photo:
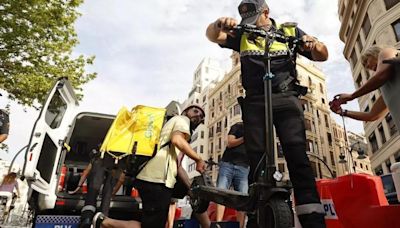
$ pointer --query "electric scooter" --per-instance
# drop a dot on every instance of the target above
(267, 196)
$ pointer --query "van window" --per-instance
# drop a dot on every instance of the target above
(55, 111)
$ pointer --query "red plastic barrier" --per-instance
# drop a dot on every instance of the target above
(229, 214)
(134, 193)
(357, 200)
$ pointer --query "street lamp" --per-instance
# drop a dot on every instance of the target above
(354, 147)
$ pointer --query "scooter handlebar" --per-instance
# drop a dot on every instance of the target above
(274, 35)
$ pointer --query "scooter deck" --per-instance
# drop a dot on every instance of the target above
(229, 198)
(225, 192)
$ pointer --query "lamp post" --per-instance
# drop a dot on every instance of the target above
(353, 147)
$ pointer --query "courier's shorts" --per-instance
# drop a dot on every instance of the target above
(156, 198)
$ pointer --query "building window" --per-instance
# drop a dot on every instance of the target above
(211, 132)
(307, 123)
(366, 109)
(373, 142)
(236, 110)
(218, 127)
(382, 133)
(321, 88)
(314, 168)
(326, 121)
(390, 3)
(319, 170)
(201, 149)
(332, 158)
(396, 28)
(329, 138)
(202, 134)
(310, 146)
(212, 147)
(391, 124)
(366, 25)
(280, 150)
(323, 100)
(219, 143)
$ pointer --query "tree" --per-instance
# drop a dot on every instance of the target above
(36, 42)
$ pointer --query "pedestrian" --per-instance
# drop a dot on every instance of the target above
(384, 78)
(4, 125)
(288, 116)
(7, 190)
(234, 169)
(157, 179)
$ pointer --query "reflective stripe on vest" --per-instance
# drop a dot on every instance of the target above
(310, 208)
(257, 46)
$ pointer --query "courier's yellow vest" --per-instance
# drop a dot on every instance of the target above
(257, 47)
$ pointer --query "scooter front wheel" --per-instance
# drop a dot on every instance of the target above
(277, 214)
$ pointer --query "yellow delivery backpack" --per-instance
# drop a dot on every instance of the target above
(135, 134)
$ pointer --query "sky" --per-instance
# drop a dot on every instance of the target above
(147, 51)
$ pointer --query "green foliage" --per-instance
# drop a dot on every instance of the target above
(36, 42)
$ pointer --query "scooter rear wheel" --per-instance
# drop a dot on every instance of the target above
(278, 214)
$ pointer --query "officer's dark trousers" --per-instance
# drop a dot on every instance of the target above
(101, 173)
(288, 119)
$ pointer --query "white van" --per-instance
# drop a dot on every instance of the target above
(51, 169)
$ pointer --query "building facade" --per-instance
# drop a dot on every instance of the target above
(204, 78)
(363, 24)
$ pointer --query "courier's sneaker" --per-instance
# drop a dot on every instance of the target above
(98, 219)
(86, 219)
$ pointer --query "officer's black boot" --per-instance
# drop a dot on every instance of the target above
(251, 220)
(313, 220)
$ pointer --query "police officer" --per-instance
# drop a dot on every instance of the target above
(288, 116)
(4, 125)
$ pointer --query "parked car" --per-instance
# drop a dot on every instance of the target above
(58, 152)
(390, 190)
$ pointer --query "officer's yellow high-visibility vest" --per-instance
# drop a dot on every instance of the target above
(257, 46)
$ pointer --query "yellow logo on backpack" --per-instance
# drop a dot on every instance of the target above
(136, 131)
